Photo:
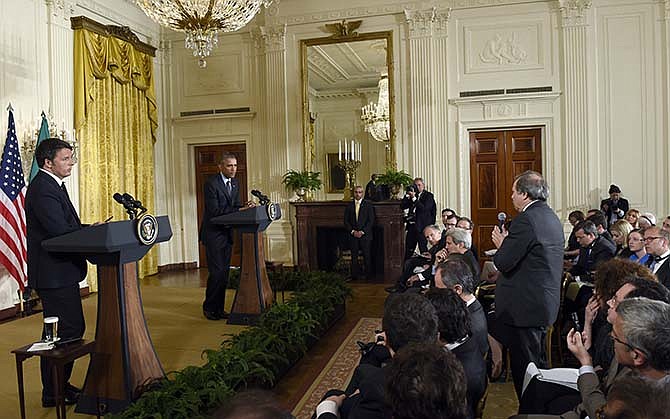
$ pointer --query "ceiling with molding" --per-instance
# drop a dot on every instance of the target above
(346, 66)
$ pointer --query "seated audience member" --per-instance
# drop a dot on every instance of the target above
(593, 211)
(631, 216)
(609, 277)
(449, 219)
(426, 382)
(466, 224)
(548, 398)
(646, 220)
(666, 224)
(455, 333)
(252, 404)
(594, 250)
(457, 246)
(408, 318)
(637, 397)
(641, 341)
(657, 243)
(457, 276)
(572, 250)
(418, 271)
(600, 222)
(615, 206)
(620, 231)
(638, 252)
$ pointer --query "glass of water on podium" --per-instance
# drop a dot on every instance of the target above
(50, 329)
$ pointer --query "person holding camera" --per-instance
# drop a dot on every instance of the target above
(421, 211)
(614, 207)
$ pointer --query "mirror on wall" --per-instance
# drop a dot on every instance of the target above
(348, 97)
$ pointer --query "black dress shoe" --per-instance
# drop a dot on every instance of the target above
(70, 399)
(72, 391)
(393, 289)
(224, 315)
(211, 315)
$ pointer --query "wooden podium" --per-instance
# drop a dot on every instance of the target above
(254, 294)
(124, 359)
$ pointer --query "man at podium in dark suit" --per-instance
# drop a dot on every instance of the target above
(359, 217)
(222, 196)
(55, 276)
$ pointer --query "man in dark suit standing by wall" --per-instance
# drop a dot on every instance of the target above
(615, 207)
(425, 210)
(222, 196)
(530, 260)
(359, 217)
(55, 276)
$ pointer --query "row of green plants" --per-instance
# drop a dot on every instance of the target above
(256, 357)
(294, 180)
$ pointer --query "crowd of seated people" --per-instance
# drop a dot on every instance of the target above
(430, 360)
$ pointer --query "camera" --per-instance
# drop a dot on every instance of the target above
(412, 188)
(368, 347)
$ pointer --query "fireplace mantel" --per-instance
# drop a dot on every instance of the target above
(312, 215)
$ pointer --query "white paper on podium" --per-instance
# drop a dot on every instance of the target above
(41, 346)
(563, 376)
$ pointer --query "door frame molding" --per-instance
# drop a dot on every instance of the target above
(514, 112)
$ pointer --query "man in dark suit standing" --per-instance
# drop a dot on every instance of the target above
(530, 261)
(222, 196)
(359, 217)
(55, 276)
(615, 207)
(423, 203)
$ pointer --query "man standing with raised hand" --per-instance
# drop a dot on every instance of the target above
(530, 260)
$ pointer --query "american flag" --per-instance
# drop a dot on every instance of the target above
(13, 253)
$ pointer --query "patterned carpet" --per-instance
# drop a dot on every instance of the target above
(501, 402)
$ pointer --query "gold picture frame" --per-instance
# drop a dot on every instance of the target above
(335, 176)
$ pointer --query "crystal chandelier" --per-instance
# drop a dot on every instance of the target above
(375, 116)
(202, 20)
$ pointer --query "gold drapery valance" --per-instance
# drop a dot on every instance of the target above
(116, 119)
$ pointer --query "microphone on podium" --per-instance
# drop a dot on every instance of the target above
(264, 200)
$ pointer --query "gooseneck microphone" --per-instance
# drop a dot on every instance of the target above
(136, 203)
(264, 200)
(501, 220)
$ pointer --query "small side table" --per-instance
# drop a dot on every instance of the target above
(59, 356)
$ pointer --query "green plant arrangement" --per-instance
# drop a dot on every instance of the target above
(257, 356)
(396, 180)
(301, 182)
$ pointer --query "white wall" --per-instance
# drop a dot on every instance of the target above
(605, 120)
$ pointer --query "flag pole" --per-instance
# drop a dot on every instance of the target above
(10, 108)
(21, 301)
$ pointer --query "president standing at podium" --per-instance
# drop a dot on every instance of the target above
(222, 196)
(55, 276)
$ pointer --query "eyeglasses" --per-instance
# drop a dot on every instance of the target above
(626, 344)
(651, 238)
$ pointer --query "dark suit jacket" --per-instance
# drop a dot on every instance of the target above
(663, 273)
(369, 403)
(218, 202)
(599, 251)
(49, 213)
(622, 205)
(424, 210)
(366, 218)
(478, 326)
(474, 366)
(530, 261)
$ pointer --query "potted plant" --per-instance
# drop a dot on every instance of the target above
(395, 180)
(301, 182)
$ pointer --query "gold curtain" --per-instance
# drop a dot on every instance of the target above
(116, 121)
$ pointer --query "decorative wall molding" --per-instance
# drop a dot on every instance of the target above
(420, 22)
(144, 26)
(499, 51)
(61, 10)
(573, 12)
(667, 9)
(274, 37)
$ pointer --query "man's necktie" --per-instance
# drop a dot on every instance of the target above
(229, 188)
(358, 207)
(62, 186)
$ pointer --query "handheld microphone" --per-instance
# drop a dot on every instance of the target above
(501, 220)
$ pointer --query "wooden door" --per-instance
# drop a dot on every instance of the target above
(496, 158)
(207, 159)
